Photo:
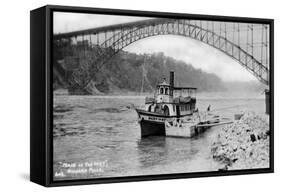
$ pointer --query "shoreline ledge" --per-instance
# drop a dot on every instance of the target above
(243, 144)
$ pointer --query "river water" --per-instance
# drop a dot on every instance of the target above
(98, 136)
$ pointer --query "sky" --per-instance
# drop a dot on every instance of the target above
(196, 53)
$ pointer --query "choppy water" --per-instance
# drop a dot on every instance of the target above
(98, 136)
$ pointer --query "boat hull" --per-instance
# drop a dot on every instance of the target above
(153, 124)
(152, 128)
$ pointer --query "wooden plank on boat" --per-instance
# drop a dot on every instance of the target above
(214, 124)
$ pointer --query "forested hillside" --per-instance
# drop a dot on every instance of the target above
(130, 72)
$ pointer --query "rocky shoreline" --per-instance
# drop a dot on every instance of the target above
(243, 144)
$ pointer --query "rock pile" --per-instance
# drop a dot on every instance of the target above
(244, 144)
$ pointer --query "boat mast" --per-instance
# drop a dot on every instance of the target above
(142, 82)
(172, 77)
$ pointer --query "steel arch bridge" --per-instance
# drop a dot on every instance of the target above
(246, 43)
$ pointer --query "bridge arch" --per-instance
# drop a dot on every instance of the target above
(125, 36)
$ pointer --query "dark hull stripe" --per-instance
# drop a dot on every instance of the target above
(142, 112)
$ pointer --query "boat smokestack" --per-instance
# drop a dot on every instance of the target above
(171, 82)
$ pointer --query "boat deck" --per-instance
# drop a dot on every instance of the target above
(193, 125)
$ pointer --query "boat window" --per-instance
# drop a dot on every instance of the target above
(166, 91)
(149, 108)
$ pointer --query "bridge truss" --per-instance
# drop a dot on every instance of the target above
(246, 43)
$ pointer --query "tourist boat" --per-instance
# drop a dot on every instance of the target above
(167, 105)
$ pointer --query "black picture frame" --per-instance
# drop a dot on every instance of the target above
(41, 98)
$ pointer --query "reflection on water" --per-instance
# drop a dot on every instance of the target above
(104, 131)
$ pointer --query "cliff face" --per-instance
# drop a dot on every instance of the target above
(134, 73)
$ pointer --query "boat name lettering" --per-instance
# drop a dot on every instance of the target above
(155, 118)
